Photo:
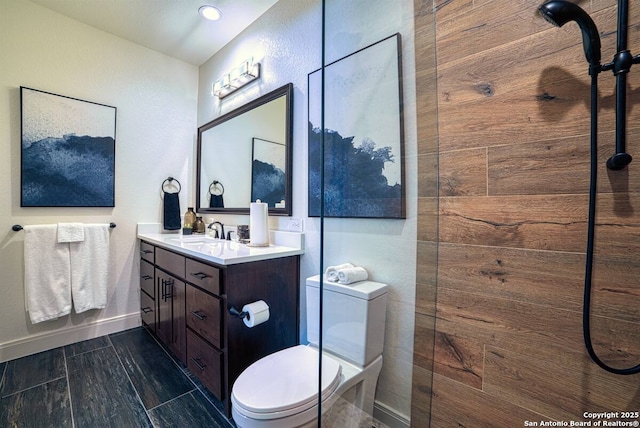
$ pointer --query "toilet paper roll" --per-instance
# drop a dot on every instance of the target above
(257, 313)
(258, 223)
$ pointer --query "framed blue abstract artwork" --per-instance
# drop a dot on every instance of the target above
(67, 151)
(359, 170)
(268, 180)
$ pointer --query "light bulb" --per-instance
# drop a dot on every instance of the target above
(209, 12)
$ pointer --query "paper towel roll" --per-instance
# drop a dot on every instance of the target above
(257, 313)
(258, 223)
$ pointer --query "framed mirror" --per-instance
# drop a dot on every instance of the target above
(246, 155)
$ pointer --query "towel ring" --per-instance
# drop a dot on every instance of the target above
(216, 184)
(169, 180)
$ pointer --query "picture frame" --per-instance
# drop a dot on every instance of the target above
(67, 151)
(359, 170)
(268, 178)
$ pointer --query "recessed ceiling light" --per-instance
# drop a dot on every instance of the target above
(209, 12)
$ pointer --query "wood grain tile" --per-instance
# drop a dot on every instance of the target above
(556, 166)
(459, 358)
(102, 393)
(33, 370)
(86, 346)
(511, 261)
(428, 219)
(556, 382)
(548, 278)
(536, 222)
(189, 410)
(45, 405)
(428, 176)
(423, 345)
(458, 405)
(154, 374)
(526, 327)
(421, 397)
(463, 173)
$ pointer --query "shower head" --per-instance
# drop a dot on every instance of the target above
(559, 12)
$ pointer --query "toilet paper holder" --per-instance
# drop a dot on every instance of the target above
(236, 313)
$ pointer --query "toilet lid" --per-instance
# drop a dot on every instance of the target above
(285, 381)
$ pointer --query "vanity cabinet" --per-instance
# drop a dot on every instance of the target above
(170, 309)
(193, 298)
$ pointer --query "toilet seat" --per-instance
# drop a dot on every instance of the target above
(284, 383)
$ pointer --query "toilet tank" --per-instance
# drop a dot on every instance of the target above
(353, 318)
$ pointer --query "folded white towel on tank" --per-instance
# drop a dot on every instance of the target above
(332, 271)
(351, 275)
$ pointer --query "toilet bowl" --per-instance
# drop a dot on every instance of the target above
(281, 389)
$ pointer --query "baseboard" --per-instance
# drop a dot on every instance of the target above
(49, 340)
(389, 416)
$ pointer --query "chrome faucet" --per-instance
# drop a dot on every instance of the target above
(212, 226)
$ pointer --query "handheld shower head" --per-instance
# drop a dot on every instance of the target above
(559, 12)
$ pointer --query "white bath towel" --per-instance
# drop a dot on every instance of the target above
(90, 268)
(47, 276)
(351, 275)
(70, 232)
(331, 273)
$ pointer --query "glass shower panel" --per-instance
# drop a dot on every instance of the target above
(364, 187)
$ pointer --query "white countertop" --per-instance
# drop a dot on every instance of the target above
(223, 252)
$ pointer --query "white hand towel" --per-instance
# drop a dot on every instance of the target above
(351, 275)
(47, 275)
(332, 271)
(90, 268)
(70, 232)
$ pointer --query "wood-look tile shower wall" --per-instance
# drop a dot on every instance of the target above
(512, 97)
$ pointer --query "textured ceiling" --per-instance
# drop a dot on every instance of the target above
(172, 27)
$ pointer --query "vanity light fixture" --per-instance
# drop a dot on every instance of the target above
(246, 72)
(209, 12)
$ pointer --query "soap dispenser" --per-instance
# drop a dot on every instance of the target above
(189, 221)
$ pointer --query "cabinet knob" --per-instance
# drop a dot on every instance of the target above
(146, 310)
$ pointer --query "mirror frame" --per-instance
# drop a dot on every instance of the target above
(287, 92)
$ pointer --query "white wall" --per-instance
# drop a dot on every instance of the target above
(287, 41)
(156, 98)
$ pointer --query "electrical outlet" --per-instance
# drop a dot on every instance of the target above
(295, 225)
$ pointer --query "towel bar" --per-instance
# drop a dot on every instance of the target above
(17, 227)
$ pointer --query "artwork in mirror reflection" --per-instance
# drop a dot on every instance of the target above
(244, 155)
(268, 181)
(362, 167)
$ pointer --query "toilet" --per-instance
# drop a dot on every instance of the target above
(281, 389)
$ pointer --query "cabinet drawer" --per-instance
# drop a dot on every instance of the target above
(147, 280)
(147, 310)
(170, 262)
(147, 251)
(203, 275)
(205, 362)
(203, 314)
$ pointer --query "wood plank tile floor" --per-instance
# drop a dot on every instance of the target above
(121, 380)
